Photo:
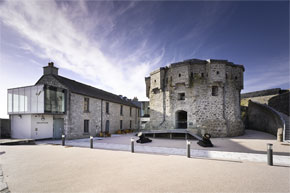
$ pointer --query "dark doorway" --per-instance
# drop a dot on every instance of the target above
(181, 120)
(57, 128)
(107, 126)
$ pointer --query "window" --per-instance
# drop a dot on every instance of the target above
(226, 76)
(202, 75)
(121, 110)
(130, 124)
(181, 96)
(179, 75)
(107, 108)
(236, 78)
(191, 74)
(217, 72)
(121, 124)
(86, 126)
(214, 91)
(86, 104)
(130, 111)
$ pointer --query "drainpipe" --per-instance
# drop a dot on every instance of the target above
(164, 97)
(102, 115)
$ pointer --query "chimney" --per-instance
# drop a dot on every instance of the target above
(50, 69)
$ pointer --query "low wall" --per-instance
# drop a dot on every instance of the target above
(264, 118)
(281, 103)
(5, 131)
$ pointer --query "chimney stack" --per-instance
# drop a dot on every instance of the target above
(50, 69)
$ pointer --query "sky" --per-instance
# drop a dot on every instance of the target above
(114, 45)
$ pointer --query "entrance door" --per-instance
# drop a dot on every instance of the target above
(57, 128)
(181, 120)
(107, 126)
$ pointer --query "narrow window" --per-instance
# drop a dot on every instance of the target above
(86, 104)
(86, 126)
(226, 76)
(179, 75)
(217, 72)
(121, 124)
(107, 108)
(154, 80)
(181, 96)
(236, 78)
(214, 91)
(130, 124)
(191, 74)
(130, 111)
(121, 110)
(202, 75)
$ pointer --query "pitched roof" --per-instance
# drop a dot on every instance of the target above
(83, 89)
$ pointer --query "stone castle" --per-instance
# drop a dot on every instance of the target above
(202, 95)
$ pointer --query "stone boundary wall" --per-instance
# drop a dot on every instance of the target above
(264, 118)
(274, 91)
(281, 103)
(5, 130)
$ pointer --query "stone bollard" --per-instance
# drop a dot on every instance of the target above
(63, 140)
(132, 145)
(91, 142)
(188, 148)
(270, 153)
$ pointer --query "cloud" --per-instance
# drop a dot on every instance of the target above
(268, 76)
(75, 36)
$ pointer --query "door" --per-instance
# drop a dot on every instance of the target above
(57, 128)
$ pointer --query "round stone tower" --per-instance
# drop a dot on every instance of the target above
(201, 95)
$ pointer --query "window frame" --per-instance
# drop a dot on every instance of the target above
(181, 96)
(86, 104)
(86, 126)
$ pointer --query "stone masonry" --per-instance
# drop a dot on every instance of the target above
(202, 95)
(97, 115)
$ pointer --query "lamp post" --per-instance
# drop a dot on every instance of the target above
(270, 153)
(91, 142)
(63, 140)
(188, 148)
(132, 145)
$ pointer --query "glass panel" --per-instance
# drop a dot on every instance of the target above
(10, 101)
(27, 98)
(34, 99)
(60, 102)
(21, 99)
(15, 101)
(54, 100)
(40, 99)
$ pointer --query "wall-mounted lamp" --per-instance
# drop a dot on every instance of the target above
(20, 116)
(42, 118)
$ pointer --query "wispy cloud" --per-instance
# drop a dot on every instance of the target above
(268, 76)
(76, 38)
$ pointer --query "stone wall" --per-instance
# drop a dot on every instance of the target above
(263, 118)
(281, 103)
(218, 115)
(97, 116)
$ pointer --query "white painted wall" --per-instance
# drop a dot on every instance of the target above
(31, 126)
(41, 128)
(21, 126)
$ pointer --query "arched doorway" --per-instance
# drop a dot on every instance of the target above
(181, 120)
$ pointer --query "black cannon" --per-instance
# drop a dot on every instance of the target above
(143, 139)
(205, 142)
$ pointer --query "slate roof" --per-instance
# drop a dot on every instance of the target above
(83, 89)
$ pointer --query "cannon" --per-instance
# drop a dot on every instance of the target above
(205, 142)
(142, 138)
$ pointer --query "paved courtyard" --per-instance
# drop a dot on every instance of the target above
(54, 168)
(250, 147)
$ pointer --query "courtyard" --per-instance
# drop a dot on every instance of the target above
(51, 168)
(160, 166)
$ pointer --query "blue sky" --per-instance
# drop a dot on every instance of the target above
(113, 45)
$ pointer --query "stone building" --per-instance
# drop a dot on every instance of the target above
(202, 95)
(56, 105)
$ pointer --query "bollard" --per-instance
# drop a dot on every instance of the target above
(63, 140)
(132, 145)
(188, 148)
(91, 142)
(270, 153)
